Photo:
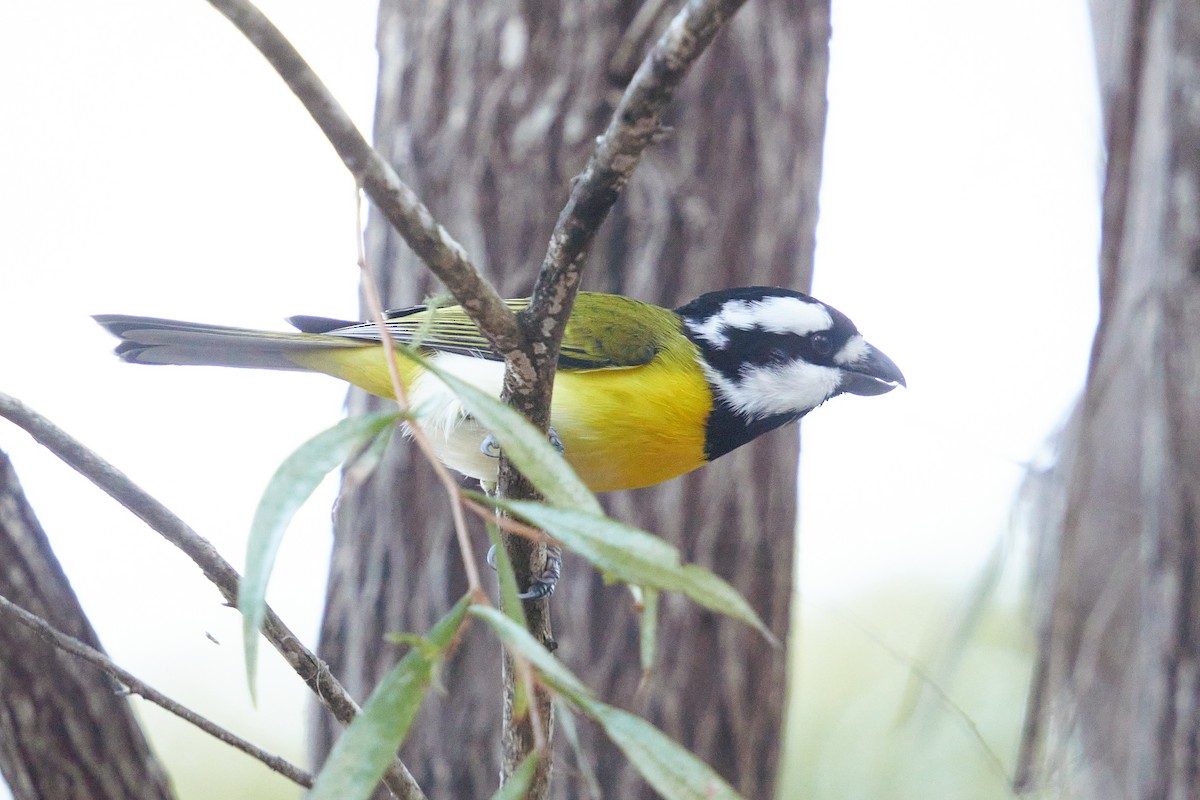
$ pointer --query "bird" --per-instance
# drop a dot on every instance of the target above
(642, 393)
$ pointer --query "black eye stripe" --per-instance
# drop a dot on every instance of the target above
(743, 348)
(752, 347)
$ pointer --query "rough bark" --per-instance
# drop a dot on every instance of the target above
(1119, 677)
(489, 109)
(66, 729)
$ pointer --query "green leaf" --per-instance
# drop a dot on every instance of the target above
(293, 483)
(520, 642)
(649, 630)
(523, 444)
(518, 783)
(510, 602)
(668, 767)
(512, 607)
(634, 556)
(367, 747)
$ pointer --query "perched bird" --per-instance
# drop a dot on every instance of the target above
(642, 393)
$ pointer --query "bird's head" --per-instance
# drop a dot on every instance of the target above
(771, 353)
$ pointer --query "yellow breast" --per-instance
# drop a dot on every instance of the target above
(636, 426)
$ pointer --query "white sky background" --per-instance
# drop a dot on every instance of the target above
(152, 163)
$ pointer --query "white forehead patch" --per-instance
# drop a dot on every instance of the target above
(772, 314)
(854, 350)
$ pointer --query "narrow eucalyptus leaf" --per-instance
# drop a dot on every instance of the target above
(510, 603)
(668, 767)
(518, 783)
(363, 752)
(634, 556)
(521, 642)
(293, 483)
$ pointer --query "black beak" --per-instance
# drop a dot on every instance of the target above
(871, 374)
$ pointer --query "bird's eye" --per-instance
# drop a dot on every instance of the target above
(822, 344)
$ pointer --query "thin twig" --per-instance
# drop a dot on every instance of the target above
(510, 525)
(137, 686)
(445, 257)
(375, 305)
(312, 670)
(929, 682)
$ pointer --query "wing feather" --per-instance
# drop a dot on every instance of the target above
(604, 332)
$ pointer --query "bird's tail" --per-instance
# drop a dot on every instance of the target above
(147, 340)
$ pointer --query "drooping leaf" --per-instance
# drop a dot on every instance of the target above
(667, 766)
(634, 556)
(363, 752)
(523, 444)
(520, 642)
(292, 484)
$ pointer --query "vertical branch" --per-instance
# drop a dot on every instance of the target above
(529, 378)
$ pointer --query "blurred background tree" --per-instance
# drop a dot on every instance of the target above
(1117, 690)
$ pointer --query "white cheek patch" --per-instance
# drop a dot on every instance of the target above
(771, 314)
(796, 387)
(853, 351)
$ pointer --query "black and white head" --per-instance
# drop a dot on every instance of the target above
(773, 355)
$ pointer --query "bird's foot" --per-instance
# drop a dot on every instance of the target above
(543, 585)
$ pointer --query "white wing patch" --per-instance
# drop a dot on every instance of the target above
(772, 314)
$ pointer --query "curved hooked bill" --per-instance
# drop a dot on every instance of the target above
(867, 371)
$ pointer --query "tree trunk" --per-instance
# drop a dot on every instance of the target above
(66, 730)
(1119, 678)
(490, 109)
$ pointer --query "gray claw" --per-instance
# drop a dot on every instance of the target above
(543, 586)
